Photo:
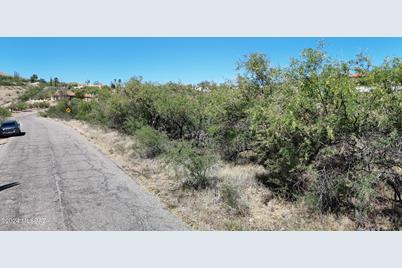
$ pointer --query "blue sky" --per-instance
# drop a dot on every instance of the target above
(188, 60)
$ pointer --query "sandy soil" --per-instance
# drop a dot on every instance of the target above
(10, 93)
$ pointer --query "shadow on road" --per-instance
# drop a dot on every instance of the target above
(9, 185)
(13, 135)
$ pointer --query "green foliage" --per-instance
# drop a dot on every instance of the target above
(34, 78)
(153, 142)
(84, 110)
(30, 93)
(318, 132)
(131, 125)
(60, 110)
(4, 113)
(316, 106)
(117, 110)
(11, 81)
(229, 127)
(230, 195)
(196, 164)
(39, 105)
(18, 106)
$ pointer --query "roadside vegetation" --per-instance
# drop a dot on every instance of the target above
(15, 80)
(323, 136)
(4, 113)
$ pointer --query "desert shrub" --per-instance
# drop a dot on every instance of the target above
(182, 115)
(11, 81)
(43, 114)
(230, 195)
(59, 110)
(196, 164)
(353, 195)
(84, 110)
(94, 112)
(18, 106)
(4, 113)
(229, 126)
(315, 105)
(29, 93)
(357, 176)
(175, 109)
(40, 105)
(152, 142)
(117, 109)
(132, 124)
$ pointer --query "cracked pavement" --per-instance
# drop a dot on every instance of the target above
(62, 182)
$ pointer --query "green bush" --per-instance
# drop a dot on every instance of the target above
(230, 195)
(117, 110)
(229, 127)
(11, 81)
(152, 142)
(4, 113)
(196, 164)
(40, 105)
(29, 93)
(316, 105)
(18, 106)
(131, 125)
(84, 111)
(59, 110)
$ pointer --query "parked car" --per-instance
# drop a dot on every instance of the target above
(10, 128)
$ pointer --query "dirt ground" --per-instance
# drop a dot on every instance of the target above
(256, 208)
(9, 93)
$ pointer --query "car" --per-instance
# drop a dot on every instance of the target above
(10, 128)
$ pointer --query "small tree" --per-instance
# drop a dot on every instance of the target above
(34, 78)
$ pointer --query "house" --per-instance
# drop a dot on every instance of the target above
(362, 89)
(356, 75)
(69, 94)
(63, 95)
(55, 97)
(80, 86)
(365, 89)
(88, 97)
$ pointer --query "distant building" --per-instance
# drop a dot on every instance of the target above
(63, 95)
(80, 86)
(363, 89)
(88, 97)
(69, 94)
(55, 97)
(357, 75)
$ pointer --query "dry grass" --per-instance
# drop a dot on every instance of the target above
(206, 209)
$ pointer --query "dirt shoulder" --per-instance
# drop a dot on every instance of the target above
(238, 202)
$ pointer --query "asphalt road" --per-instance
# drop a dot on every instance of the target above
(53, 179)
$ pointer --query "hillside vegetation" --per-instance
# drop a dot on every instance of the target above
(320, 140)
(13, 89)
